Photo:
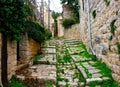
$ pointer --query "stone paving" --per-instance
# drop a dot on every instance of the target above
(75, 71)
(67, 74)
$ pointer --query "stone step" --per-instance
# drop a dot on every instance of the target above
(70, 41)
(81, 59)
(44, 72)
(47, 59)
(49, 47)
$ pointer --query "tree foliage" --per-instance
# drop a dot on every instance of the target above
(55, 15)
(13, 14)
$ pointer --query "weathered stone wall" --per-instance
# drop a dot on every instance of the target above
(100, 26)
(28, 48)
(73, 32)
(34, 47)
(12, 58)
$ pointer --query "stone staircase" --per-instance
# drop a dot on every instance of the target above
(62, 64)
(84, 65)
(45, 67)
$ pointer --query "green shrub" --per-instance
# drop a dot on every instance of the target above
(94, 14)
(66, 23)
(35, 31)
(112, 26)
(15, 82)
(48, 34)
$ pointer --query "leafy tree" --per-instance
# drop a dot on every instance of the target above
(55, 15)
(13, 14)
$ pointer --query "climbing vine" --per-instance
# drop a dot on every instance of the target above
(94, 14)
(112, 26)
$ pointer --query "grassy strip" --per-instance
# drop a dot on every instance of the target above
(109, 83)
(105, 71)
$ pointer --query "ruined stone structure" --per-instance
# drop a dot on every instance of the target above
(104, 42)
(72, 32)
(67, 11)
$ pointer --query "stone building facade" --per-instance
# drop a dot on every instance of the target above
(104, 41)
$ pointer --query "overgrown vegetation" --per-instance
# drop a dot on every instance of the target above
(37, 31)
(107, 2)
(66, 23)
(94, 14)
(105, 71)
(15, 82)
(112, 26)
(85, 53)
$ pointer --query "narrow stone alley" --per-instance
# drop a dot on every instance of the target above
(66, 63)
